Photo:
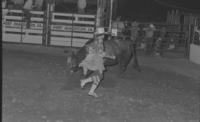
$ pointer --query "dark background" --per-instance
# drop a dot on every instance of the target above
(153, 10)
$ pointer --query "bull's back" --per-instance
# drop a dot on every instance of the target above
(111, 47)
(120, 48)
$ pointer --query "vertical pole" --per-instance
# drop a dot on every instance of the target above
(110, 19)
(72, 32)
(47, 24)
(187, 43)
(95, 26)
(98, 14)
(44, 24)
(22, 16)
(97, 17)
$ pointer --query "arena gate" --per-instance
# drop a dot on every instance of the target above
(64, 29)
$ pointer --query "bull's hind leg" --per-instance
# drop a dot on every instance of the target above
(123, 63)
(135, 60)
(136, 65)
(122, 69)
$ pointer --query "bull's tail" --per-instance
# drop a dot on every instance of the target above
(135, 59)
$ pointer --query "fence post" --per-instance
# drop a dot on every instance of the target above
(46, 25)
(22, 20)
(49, 13)
(72, 32)
(187, 43)
(191, 39)
(110, 18)
(44, 28)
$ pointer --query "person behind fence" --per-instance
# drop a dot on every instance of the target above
(134, 30)
(159, 42)
(26, 9)
(3, 3)
(172, 42)
(149, 39)
(197, 31)
(81, 5)
(18, 4)
(5, 11)
(10, 4)
(119, 25)
(94, 61)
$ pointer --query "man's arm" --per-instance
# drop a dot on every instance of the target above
(105, 55)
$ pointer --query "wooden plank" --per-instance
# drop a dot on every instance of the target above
(11, 37)
(67, 41)
(32, 39)
(69, 28)
(75, 22)
(13, 29)
(85, 35)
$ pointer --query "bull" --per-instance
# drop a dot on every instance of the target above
(123, 50)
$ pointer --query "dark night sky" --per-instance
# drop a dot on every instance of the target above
(151, 10)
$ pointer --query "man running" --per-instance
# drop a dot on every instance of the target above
(94, 61)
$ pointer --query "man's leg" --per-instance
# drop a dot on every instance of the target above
(85, 81)
(97, 77)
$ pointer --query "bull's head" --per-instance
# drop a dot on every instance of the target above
(75, 57)
(72, 62)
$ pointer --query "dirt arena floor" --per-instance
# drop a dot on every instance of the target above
(37, 87)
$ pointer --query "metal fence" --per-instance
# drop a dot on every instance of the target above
(174, 40)
(65, 29)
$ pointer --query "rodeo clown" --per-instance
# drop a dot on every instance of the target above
(94, 61)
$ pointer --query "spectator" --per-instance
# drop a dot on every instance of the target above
(119, 25)
(38, 5)
(18, 4)
(81, 4)
(26, 9)
(197, 31)
(10, 4)
(149, 39)
(5, 11)
(4, 2)
(134, 31)
(171, 42)
(159, 42)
